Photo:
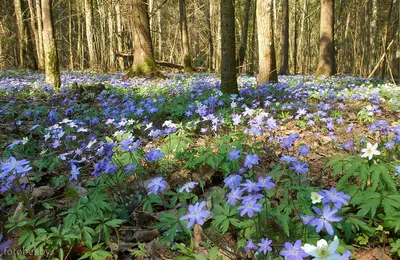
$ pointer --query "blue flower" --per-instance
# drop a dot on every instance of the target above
(234, 196)
(13, 164)
(304, 150)
(299, 167)
(234, 154)
(251, 159)
(250, 186)
(154, 155)
(188, 186)
(249, 207)
(265, 183)
(337, 198)
(196, 214)
(157, 185)
(250, 245)
(4, 245)
(232, 180)
(74, 172)
(325, 218)
(293, 252)
(129, 168)
(264, 245)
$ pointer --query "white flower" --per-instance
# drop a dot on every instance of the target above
(233, 104)
(25, 140)
(149, 125)
(323, 250)
(316, 197)
(370, 151)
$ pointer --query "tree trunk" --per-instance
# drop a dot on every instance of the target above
(386, 41)
(90, 34)
(71, 54)
(373, 34)
(111, 39)
(295, 38)
(326, 65)
(187, 60)
(284, 70)
(102, 46)
(50, 48)
(143, 60)
(228, 49)
(40, 30)
(35, 31)
(266, 49)
(303, 37)
(243, 39)
(209, 35)
(252, 67)
(119, 35)
(26, 55)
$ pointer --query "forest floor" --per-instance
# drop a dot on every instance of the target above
(112, 164)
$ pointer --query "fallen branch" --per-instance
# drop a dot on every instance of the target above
(380, 60)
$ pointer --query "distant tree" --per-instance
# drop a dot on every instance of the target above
(187, 60)
(284, 70)
(243, 38)
(49, 46)
(326, 66)
(143, 56)
(266, 49)
(90, 34)
(228, 49)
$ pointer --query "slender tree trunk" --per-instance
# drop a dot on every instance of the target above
(285, 38)
(40, 32)
(386, 41)
(295, 38)
(398, 41)
(252, 67)
(90, 34)
(111, 38)
(187, 60)
(71, 54)
(35, 31)
(119, 35)
(266, 49)
(243, 39)
(102, 43)
(303, 37)
(160, 36)
(373, 35)
(50, 48)
(143, 57)
(209, 35)
(80, 47)
(326, 65)
(228, 49)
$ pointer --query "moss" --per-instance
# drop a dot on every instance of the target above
(146, 69)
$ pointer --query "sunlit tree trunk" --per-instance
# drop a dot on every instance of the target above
(373, 34)
(40, 30)
(285, 38)
(209, 35)
(295, 38)
(111, 38)
(266, 49)
(228, 50)
(143, 57)
(35, 31)
(50, 48)
(119, 35)
(326, 65)
(187, 60)
(252, 66)
(70, 39)
(90, 34)
(243, 38)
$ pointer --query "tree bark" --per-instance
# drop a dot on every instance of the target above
(373, 34)
(295, 38)
(266, 49)
(50, 48)
(252, 67)
(284, 70)
(71, 54)
(143, 61)
(243, 39)
(90, 34)
(326, 65)
(35, 31)
(228, 50)
(209, 35)
(187, 60)
(111, 38)
(40, 30)
(119, 35)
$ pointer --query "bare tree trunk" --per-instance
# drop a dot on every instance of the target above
(50, 48)
(209, 35)
(303, 37)
(326, 65)
(40, 34)
(143, 61)
(90, 35)
(160, 36)
(80, 47)
(111, 39)
(243, 39)
(228, 49)
(119, 35)
(266, 49)
(102, 43)
(252, 67)
(187, 60)
(295, 38)
(35, 31)
(386, 40)
(285, 38)
(373, 34)
(71, 54)
(217, 29)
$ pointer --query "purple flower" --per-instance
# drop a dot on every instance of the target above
(304, 150)
(234, 196)
(300, 168)
(232, 180)
(337, 198)
(188, 186)
(251, 159)
(15, 165)
(288, 159)
(74, 172)
(196, 214)
(234, 154)
(157, 185)
(154, 155)
(389, 145)
(293, 252)
(251, 197)
(325, 219)
(236, 119)
(347, 145)
(346, 255)
(4, 245)
(129, 168)
(350, 128)
(264, 245)
(265, 183)
(250, 245)
(249, 207)
(250, 186)
(306, 219)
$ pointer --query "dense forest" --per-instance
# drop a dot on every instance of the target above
(200, 129)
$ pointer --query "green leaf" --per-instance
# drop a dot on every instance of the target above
(393, 221)
(87, 239)
(213, 253)
(115, 222)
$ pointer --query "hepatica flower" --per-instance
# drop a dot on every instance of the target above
(4, 245)
(235, 154)
(188, 186)
(250, 245)
(154, 155)
(325, 218)
(264, 245)
(251, 159)
(157, 185)
(13, 164)
(337, 198)
(323, 251)
(370, 151)
(196, 214)
(293, 252)
(249, 207)
(233, 180)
